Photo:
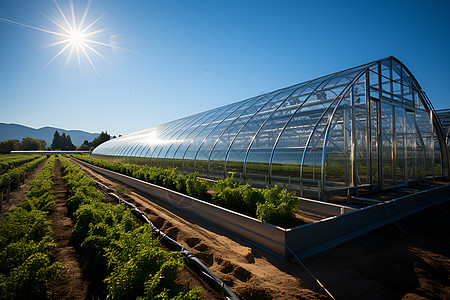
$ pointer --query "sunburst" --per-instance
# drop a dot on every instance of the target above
(75, 36)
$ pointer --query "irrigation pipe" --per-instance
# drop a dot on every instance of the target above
(310, 273)
(197, 264)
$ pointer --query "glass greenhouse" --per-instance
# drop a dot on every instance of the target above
(444, 117)
(370, 126)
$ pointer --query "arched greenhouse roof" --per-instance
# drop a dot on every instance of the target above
(367, 126)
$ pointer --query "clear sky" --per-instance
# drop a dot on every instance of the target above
(190, 56)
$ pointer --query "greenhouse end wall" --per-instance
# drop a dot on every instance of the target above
(370, 126)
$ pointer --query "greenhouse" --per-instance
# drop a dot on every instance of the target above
(444, 117)
(368, 127)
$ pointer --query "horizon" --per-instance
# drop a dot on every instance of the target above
(159, 62)
(50, 126)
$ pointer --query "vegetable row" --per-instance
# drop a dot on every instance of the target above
(128, 253)
(15, 173)
(10, 161)
(27, 265)
(271, 205)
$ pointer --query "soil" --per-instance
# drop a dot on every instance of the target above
(72, 285)
(384, 264)
(411, 261)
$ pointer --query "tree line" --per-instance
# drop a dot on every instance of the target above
(27, 143)
(59, 142)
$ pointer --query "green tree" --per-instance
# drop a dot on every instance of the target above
(30, 144)
(103, 137)
(62, 142)
(69, 144)
(8, 146)
(57, 141)
(84, 147)
(43, 144)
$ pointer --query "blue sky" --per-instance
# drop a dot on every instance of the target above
(190, 56)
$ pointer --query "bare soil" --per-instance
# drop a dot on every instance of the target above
(72, 284)
(384, 264)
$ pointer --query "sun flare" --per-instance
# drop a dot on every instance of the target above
(75, 36)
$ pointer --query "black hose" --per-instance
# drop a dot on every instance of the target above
(195, 263)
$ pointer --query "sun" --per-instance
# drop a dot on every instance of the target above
(77, 39)
(75, 35)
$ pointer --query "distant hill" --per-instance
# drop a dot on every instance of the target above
(16, 131)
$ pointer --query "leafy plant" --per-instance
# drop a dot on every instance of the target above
(135, 264)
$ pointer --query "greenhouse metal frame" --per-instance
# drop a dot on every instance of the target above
(370, 126)
(444, 118)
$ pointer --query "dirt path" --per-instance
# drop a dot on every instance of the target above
(384, 264)
(19, 194)
(72, 285)
(249, 272)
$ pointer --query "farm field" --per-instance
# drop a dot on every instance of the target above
(385, 263)
(73, 263)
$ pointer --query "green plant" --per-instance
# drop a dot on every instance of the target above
(121, 190)
(134, 263)
(279, 208)
(276, 206)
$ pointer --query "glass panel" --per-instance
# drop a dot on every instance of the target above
(438, 168)
(338, 149)
(374, 109)
(218, 154)
(155, 140)
(397, 90)
(191, 151)
(123, 148)
(386, 85)
(361, 144)
(411, 146)
(400, 135)
(374, 80)
(289, 149)
(291, 139)
(258, 160)
(407, 94)
(203, 155)
(185, 135)
(386, 68)
(417, 100)
(164, 138)
(238, 149)
(174, 139)
(396, 71)
(374, 93)
(374, 68)
(387, 143)
(406, 79)
(424, 144)
(178, 153)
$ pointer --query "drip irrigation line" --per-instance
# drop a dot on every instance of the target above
(193, 261)
(311, 274)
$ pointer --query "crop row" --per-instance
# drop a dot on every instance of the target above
(14, 174)
(11, 161)
(116, 245)
(27, 265)
(270, 205)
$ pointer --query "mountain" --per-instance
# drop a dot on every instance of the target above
(16, 131)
